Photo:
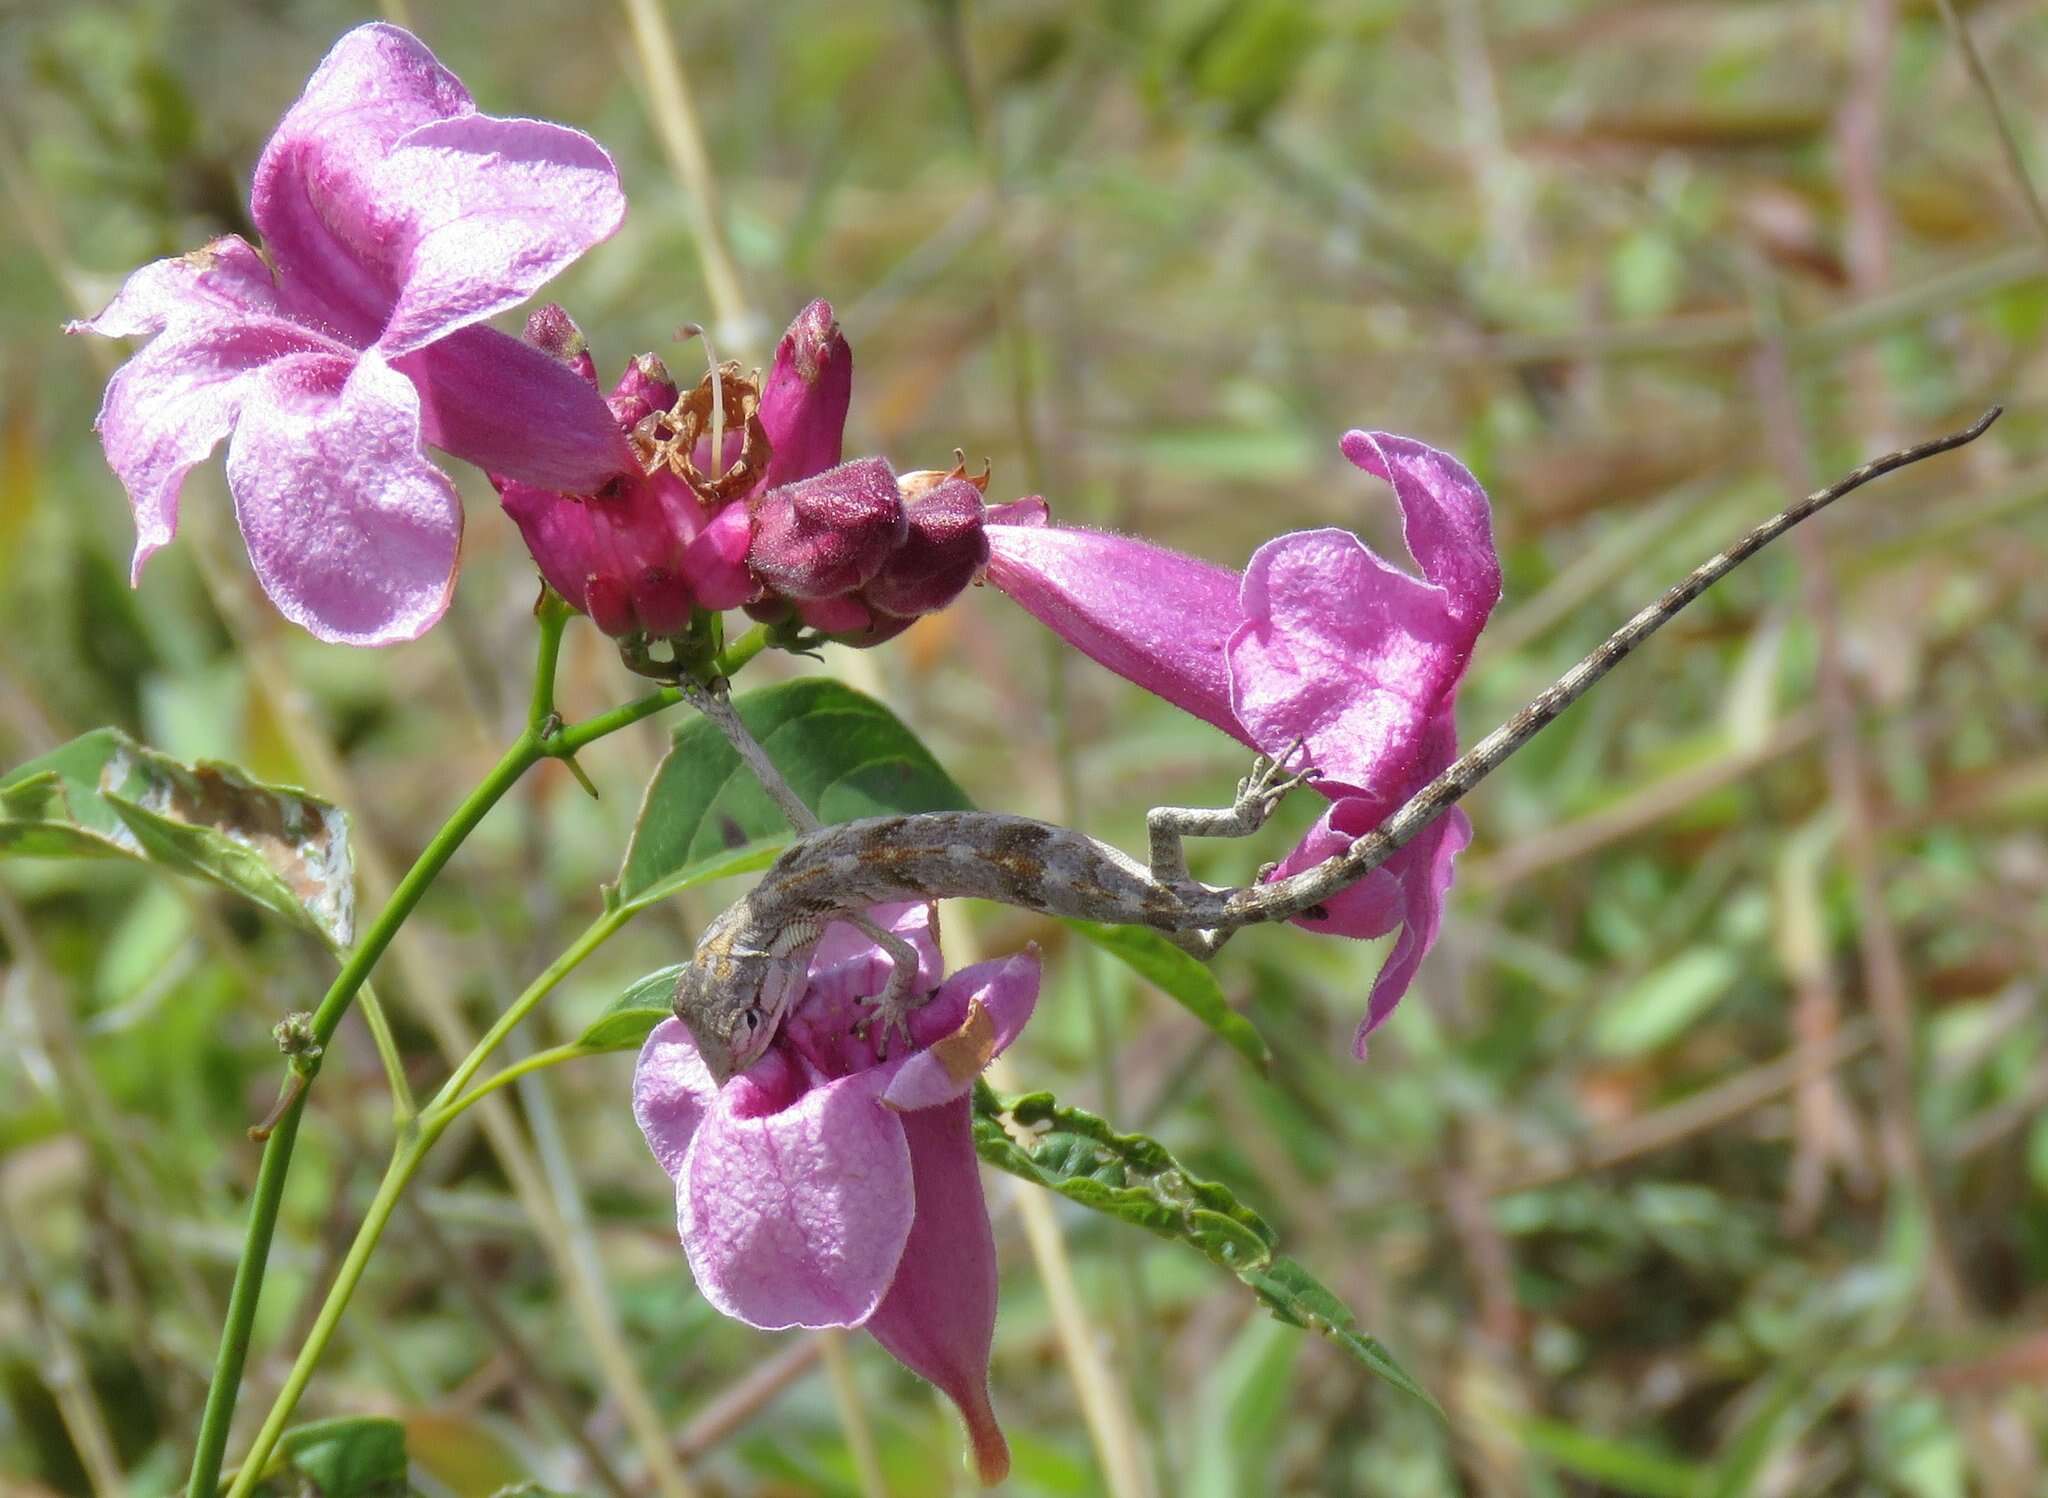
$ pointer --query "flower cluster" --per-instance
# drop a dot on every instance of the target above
(772, 520)
(829, 1187)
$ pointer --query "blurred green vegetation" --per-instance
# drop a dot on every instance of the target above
(1708, 1155)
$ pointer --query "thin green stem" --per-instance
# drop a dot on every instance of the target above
(544, 738)
(538, 1061)
(404, 1106)
(234, 1337)
(566, 740)
(447, 1105)
(552, 614)
(404, 1164)
(539, 741)
(573, 956)
(742, 650)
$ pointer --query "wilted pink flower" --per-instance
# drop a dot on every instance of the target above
(1319, 640)
(395, 219)
(672, 535)
(825, 1187)
(644, 551)
(944, 549)
(883, 553)
(827, 534)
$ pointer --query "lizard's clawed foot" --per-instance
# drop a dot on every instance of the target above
(889, 1020)
(1260, 792)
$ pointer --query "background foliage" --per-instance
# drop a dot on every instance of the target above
(1708, 1155)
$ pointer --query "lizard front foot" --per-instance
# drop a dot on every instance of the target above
(1267, 786)
(890, 1016)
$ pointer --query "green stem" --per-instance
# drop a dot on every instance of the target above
(447, 1104)
(234, 1337)
(594, 936)
(538, 1061)
(404, 1164)
(544, 738)
(404, 1107)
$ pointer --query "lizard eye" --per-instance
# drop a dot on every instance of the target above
(752, 1020)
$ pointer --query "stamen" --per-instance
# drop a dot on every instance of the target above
(684, 334)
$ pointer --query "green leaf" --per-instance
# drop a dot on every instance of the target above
(349, 1457)
(105, 796)
(626, 1020)
(844, 753)
(1182, 978)
(1298, 1298)
(1135, 1179)
(51, 806)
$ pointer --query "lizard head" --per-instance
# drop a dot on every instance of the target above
(733, 995)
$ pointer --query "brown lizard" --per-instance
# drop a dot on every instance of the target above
(751, 963)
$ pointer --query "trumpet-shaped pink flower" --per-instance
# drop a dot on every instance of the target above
(1319, 640)
(827, 1187)
(395, 219)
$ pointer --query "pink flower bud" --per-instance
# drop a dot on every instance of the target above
(827, 535)
(642, 390)
(946, 549)
(554, 332)
(804, 401)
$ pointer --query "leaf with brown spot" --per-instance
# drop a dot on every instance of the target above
(105, 796)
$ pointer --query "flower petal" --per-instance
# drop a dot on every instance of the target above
(969, 1022)
(1151, 615)
(846, 969)
(516, 412)
(225, 281)
(715, 561)
(338, 247)
(1445, 518)
(798, 1217)
(173, 403)
(1408, 891)
(1424, 871)
(354, 534)
(939, 1317)
(1344, 651)
(493, 210)
(672, 1093)
(1352, 654)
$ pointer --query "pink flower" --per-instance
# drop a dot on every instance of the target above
(395, 220)
(824, 1187)
(645, 551)
(1318, 640)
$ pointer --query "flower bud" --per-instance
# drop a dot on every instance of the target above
(848, 621)
(946, 548)
(804, 400)
(554, 332)
(827, 535)
(643, 389)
